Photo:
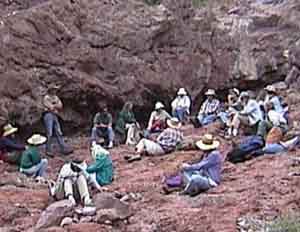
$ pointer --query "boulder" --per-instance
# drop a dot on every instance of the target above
(54, 214)
(110, 208)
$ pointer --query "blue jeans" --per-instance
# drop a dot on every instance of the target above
(206, 119)
(53, 129)
(180, 113)
(273, 148)
(223, 116)
(37, 170)
(102, 132)
(195, 182)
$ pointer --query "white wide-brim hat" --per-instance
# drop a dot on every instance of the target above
(181, 91)
(210, 92)
(9, 129)
(159, 105)
(37, 139)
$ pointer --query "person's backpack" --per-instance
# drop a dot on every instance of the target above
(248, 148)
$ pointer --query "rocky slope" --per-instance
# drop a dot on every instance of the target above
(113, 51)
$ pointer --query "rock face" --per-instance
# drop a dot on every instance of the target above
(113, 51)
(54, 214)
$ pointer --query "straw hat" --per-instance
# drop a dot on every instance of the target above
(159, 105)
(9, 129)
(286, 53)
(207, 143)
(270, 88)
(174, 123)
(181, 91)
(98, 150)
(37, 139)
(210, 92)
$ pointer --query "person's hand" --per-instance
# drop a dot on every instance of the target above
(72, 200)
(185, 166)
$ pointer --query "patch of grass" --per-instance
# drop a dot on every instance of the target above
(290, 223)
(199, 3)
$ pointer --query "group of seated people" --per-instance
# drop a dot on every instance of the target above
(267, 119)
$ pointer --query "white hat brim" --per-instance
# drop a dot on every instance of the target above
(10, 132)
(206, 147)
(42, 140)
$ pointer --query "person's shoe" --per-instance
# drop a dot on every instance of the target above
(134, 158)
(110, 145)
(87, 210)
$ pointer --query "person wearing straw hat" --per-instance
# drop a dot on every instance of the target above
(208, 112)
(181, 105)
(165, 143)
(72, 184)
(158, 118)
(207, 173)
(250, 116)
(101, 172)
(10, 150)
(273, 99)
(31, 162)
(52, 106)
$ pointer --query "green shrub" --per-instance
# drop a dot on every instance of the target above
(152, 2)
(286, 224)
(199, 3)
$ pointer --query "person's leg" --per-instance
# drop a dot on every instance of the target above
(42, 166)
(130, 134)
(153, 148)
(83, 190)
(235, 124)
(59, 136)
(196, 184)
(179, 112)
(110, 135)
(94, 134)
(31, 171)
(48, 123)
(223, 117)
(68, 190)
(273, 148)
(262, 129)
(140, 147)
(291, 144)
(200, 118)
(209, 119)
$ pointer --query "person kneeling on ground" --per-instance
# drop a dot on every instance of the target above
(158, 118)
(208, 112)
(31, 162)
(126, 125)
(71, 184)
(207, 173)
(165, 143)
(103, 127)
(181, 105)
(10, 150)
(101, 171)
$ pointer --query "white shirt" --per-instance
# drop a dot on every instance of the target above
(252, 110)
(181, 102)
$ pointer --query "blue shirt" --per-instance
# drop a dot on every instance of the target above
(210, 166)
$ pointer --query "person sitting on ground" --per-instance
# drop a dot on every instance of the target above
(71, 184)
(53, 105)
(126, 125)
(233, 106)
(207, 173)
(273, 98)
(208, 112)
(101, 171)
(31, 162)
(250, 116)
(103, 127)
(158, 119)
(274, 143)
(273, 119)
(165, 143)
(11, 151)
(181, 105)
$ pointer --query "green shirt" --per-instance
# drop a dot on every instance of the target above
(103, 118)
(103, 168)
(124, 117)
(30, 158)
